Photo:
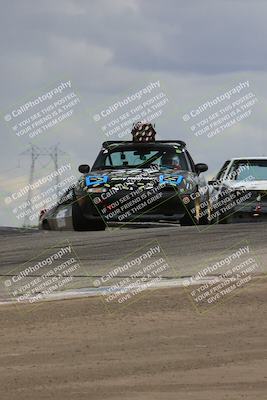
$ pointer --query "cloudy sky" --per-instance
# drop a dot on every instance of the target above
(110, 49)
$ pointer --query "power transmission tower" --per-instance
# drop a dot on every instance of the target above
(54, 156)
(36, 152)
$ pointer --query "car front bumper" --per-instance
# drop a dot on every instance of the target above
(125, 207)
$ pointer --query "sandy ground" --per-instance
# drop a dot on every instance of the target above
(158, 348)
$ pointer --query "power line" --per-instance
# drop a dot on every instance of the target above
(35, 153)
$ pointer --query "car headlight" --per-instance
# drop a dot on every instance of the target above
(186, 184)
(97, 180)
(95, 184)
(171, 179)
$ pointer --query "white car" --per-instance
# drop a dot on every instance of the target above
(239, 190)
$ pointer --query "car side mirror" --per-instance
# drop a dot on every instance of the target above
(84, 169)
(201, 168)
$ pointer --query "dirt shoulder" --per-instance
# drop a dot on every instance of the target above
(157, 348)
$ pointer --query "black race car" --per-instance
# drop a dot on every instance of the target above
(134, 181)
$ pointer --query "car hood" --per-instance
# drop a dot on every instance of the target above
(249, 185)
(147, 177)
(138, 173)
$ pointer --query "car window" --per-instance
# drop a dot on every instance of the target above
(142, 157)
(249, 169)
(222, 170)
(119, 158)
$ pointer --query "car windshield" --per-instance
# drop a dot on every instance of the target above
(141, 157)
(255, 170)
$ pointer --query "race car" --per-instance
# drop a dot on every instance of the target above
(142, 180)
(239, 190)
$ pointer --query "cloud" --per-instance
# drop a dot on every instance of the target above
(111, 48)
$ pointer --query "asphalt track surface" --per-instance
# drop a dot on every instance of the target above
(187, 249)
(157, 348)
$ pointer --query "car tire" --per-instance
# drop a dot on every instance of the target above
(225, 220)
(45, 225)
(189, 220)
(81, 224)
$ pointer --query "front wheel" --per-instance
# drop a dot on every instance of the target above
(45, 225)
(80, 223)
(187, 220)
(197, 215)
